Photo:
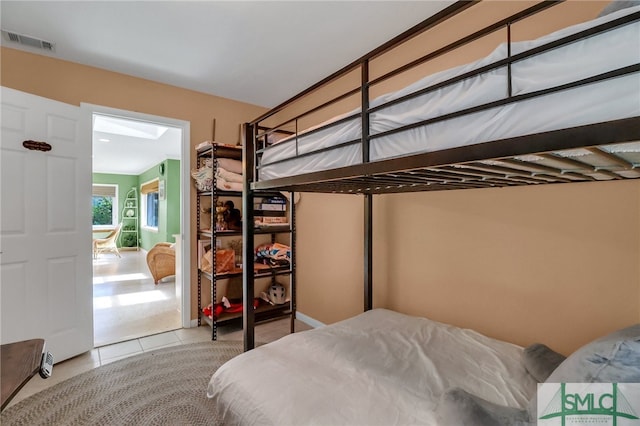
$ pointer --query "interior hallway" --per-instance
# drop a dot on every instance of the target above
(126, 303)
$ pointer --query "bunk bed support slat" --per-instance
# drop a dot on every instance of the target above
(612, 157)
(546, 169)
(580, 165)
(489, 174)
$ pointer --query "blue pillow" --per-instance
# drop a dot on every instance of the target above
(617, 5)
(614, 358)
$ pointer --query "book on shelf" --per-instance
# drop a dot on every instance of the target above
(274, 200)
(270, 206)
(271, 220)
(270, 213)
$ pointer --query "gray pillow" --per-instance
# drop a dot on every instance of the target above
(540, 361)
(460, 408)
(617, 5)
(614, 358)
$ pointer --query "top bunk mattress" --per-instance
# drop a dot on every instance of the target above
(601, 101)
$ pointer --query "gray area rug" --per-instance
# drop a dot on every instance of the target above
(162, 387)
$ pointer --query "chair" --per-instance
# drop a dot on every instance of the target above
(108, 243)
(161, 260)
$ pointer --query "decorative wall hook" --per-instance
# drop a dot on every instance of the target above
(37, 146)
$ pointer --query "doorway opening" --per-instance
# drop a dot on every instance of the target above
(140, 182)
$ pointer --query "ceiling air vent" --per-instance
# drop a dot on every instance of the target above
(27, 41)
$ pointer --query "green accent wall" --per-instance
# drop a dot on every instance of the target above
(168, 209)
(173, 198)
(124, 183)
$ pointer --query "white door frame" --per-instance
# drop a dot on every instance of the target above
(87, 111)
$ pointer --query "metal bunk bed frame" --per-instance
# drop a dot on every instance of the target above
(456, 168)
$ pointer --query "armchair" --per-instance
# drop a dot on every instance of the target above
(161, 260)
(108, 243)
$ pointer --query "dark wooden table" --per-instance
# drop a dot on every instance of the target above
(20, 361)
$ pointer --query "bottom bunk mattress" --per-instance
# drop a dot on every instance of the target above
(378, 368)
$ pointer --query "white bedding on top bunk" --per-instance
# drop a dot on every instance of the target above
(607, 100)
(378, 368)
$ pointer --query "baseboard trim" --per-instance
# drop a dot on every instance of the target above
(308, 320)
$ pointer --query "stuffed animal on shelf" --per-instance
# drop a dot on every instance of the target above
(226, 306)
(221, 225)
(232, 216)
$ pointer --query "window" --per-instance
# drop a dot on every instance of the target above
(152, 210)
(105, 206)
(150, 198)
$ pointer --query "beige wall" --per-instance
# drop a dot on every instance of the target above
(556, 264)
(329, 256)
(74, 83)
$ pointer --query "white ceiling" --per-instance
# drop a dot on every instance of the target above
(123, 146)
(260, 52)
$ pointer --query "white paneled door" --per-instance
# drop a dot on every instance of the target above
(45, 225)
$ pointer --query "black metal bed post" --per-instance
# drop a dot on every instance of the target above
(292, 265)
(368, 200)
(248, 279)
(368, 252)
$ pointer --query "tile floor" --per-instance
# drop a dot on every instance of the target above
(132, 315)
(266, 332)
(126, 303)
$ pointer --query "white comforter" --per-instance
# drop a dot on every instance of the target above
(378, 368)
